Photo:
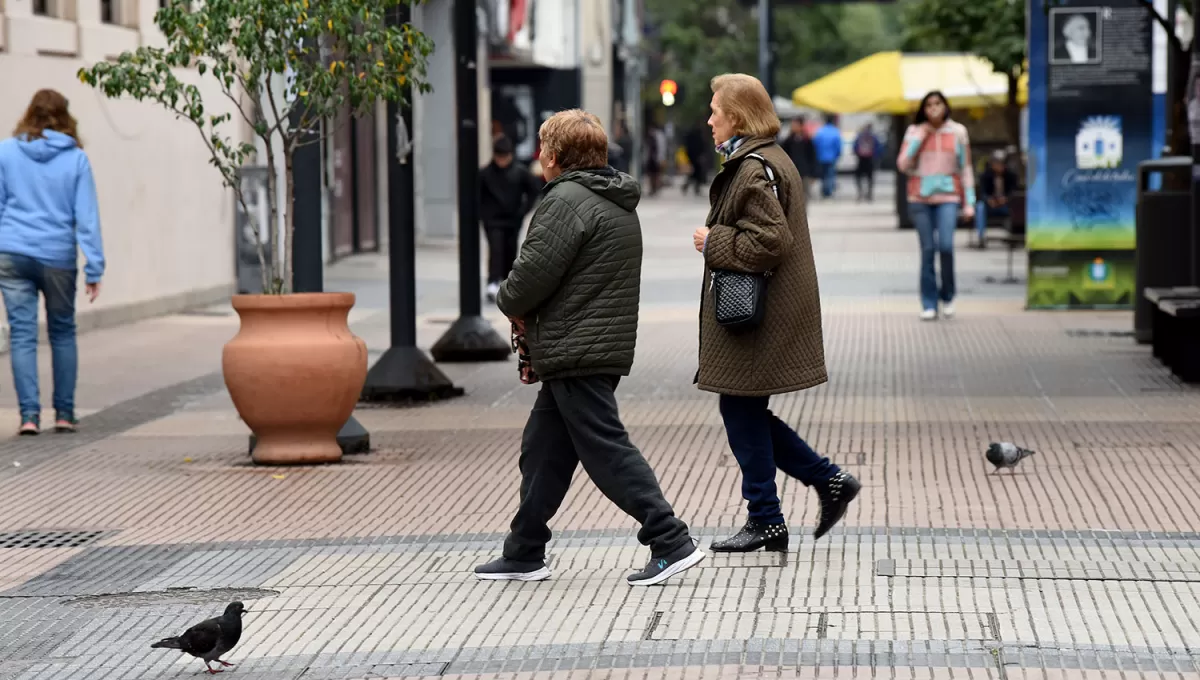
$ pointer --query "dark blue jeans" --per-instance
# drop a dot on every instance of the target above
(935, 223)
(829, 176)
(761, 442)
(21, 280)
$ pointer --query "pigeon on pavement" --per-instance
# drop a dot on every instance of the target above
(1006, 455)
(209, 640)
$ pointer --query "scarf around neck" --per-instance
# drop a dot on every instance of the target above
(729, 146)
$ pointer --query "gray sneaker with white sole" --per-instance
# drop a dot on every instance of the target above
(660, 569)
(504, 569)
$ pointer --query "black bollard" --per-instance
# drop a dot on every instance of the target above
(471, 337)
(404, 373)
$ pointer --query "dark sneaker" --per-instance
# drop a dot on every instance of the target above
(835, 496)
(30, 426)
(66, 422)
(504, 569)
(660, 569)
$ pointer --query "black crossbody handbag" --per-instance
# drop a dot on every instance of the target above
(739, 298)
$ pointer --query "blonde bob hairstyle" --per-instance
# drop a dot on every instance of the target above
(746, 102)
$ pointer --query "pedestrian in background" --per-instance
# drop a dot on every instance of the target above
(699, 153)
(995, 186)
(936, 156)
(828, 143)
(574, 295)
(507, 192)
(757, 225)
(866, 150)
(48, 212)
(800, 148)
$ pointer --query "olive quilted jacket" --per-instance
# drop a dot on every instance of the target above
(753, 231)
(577, 280)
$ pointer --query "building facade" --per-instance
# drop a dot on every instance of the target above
(542, 56)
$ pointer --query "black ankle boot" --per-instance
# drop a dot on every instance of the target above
(773, 537)
(835, 496)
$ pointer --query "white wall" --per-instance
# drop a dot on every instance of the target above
(167, 220)
(596, 50)
(435, 124)
(556, 34)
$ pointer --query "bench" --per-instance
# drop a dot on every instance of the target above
(1176, 330)
(1013, 236)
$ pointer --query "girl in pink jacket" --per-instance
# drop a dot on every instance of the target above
(936, 156)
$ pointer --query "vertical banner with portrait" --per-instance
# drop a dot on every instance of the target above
(1097, 73)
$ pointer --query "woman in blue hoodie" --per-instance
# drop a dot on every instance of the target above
(47, 210)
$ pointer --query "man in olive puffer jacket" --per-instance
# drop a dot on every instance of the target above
(575, 288)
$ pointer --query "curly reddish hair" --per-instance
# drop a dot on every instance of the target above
(48, 110)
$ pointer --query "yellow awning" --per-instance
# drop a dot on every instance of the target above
(893, 82)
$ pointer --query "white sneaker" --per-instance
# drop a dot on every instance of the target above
(948, 311)
(929, 315)
(493, 290)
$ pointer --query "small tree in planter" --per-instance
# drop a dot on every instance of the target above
(284, 67)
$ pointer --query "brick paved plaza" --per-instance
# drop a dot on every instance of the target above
(1085, 563)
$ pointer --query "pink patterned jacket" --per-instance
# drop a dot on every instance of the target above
(938, 164)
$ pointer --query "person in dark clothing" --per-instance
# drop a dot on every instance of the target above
(996, 184)
(507, 192)
(866, 149)
(574, 295)
(699, 152)
(799, 147)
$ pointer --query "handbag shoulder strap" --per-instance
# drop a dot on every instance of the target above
(771, 180)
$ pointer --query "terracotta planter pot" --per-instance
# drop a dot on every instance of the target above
(295, 372)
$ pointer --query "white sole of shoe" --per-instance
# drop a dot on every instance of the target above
(680, 566)
(539, 575)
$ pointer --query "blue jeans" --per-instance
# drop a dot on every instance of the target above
(762, 442)
(935, 224)
(21, 279)
(828, 179)
(983, 212)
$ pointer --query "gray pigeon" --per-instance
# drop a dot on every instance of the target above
(211, 639)
(1006, 455)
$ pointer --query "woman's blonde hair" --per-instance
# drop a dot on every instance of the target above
(746, 102)
(47, 111)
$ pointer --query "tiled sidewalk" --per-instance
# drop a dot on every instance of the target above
(1085, 563)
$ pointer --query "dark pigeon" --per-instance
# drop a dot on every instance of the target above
(209, 640)
(1006, 455)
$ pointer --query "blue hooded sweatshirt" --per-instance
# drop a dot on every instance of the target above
(828, 142)
(48, 203)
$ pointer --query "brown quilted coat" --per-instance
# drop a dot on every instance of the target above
(752, 231)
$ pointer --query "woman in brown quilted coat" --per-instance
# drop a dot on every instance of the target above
(757, 225)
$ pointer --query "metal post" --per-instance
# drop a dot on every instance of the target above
(404, 372)
(1193, 109)
(1173, 65)
(766, 56)
(308, 260)
(471, 337)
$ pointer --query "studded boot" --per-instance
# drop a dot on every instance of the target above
(753, 536)
(835, 496)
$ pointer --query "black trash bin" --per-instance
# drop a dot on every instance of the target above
(1164, 238)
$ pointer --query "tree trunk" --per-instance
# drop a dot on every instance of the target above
(1179, 140)
(289, 220)
(1012, 121)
